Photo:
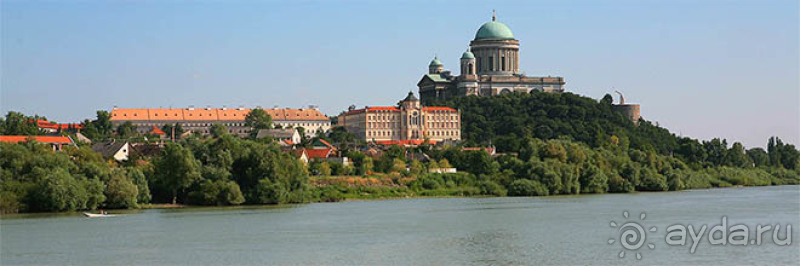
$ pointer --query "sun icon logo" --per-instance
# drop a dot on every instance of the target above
(632, 235)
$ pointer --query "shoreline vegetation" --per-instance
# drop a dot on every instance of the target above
(548, 144)
(170, 206)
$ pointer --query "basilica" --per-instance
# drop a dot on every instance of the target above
(489, 67)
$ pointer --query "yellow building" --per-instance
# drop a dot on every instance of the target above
(408, 121)
(201, 119)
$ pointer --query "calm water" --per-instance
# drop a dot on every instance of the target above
(433, 231)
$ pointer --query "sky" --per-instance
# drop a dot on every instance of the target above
(703, 69)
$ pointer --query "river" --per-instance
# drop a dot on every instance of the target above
(564, 230)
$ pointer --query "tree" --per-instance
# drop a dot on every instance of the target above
(269, 192)
(126, 130)
(16, 123)
(717, 151)
(167, 128)
(607, 100)
(220, 192)
(774, 150)
(258, 119)
(737, 157)
(218, 130)
(758, 156)
(59, 191)
(138, 178)
(593, 180)
(176, 169)
(121, 192)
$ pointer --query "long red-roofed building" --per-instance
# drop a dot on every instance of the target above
(409, 121)
(57, 142)
(201, 119)
(55, 127)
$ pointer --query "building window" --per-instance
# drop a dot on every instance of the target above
(491, 63)
(503, 63)
(469, 69)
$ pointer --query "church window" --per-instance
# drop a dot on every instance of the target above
(469, 69)
(503, 63)
(480, 66)
(491, 63)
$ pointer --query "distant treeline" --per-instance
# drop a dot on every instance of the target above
(553, 143)
(509, 121)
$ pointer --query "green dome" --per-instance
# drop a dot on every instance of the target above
(436, 62)
(467, 55)
(494, 30)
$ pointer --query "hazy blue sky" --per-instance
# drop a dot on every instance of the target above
(702, 69)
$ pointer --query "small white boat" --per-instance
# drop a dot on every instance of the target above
(96, 215)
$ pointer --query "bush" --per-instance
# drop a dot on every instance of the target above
(220, 192)
(329, 194)
(617, 184)
(652, 181)
(271, 193)
(526, 187)
(491, 188)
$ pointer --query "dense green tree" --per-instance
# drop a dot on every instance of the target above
(168, 128)
(100, 128)
(593, 180)
(737, 157)
(258, 119)
(121, 192)
(758, 156)
(126, 130)
(16, 123)
(219, 192)
(717, 151)
(59, 191)
(218, 130)
(176, 170)
(138, 178)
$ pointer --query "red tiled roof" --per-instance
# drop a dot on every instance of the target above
(51, 125)
(318, 153)
(372, 109)
(438, 108)
(157, 131)
(404, 142)
(383, 108)
(325, 142)
(489, 150)
(213, 114)
(395, 109)
(40, 139)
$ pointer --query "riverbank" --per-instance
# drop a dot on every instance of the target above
(461, 231)
(162, 206)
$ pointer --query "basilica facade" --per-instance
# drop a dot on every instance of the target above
(489, 67)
